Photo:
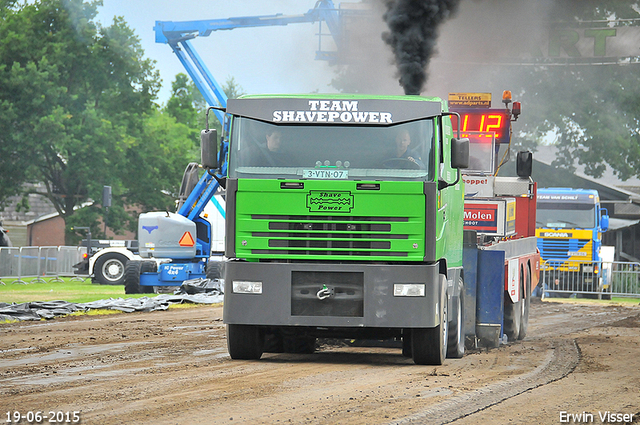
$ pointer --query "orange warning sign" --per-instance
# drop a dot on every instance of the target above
(186, 239)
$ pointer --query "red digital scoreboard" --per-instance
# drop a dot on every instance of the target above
(497, 121)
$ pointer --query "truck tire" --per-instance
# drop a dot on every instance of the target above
(109, 268)
(148, 267)
(512, 314)
(526, 290)
(245, 342)
(429, 345)
(455, 344)
(132, 276)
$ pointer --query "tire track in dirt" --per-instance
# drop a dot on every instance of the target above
(561, 360)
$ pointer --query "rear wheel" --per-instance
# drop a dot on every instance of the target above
(245, 342)
(132, 273)
(148, 267)
(132, 277)
(512, 315)
(526, 303)
(429, 345)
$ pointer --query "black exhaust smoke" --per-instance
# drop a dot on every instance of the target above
(413, 32)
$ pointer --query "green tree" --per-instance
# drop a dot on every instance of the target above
(188, 106)
(77, 113)
(593, 110)
(232, 89)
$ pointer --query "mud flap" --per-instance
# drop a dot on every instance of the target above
(490, 298)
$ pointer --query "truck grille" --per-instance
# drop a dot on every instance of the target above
(559, 249)
(330, 235)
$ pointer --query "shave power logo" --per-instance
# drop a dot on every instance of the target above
(329, 201)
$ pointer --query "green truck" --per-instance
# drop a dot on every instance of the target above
(344, 219)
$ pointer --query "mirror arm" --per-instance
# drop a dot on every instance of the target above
(222, 181)
(217, 108)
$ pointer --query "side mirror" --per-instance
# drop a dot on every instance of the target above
(459, 153)
(209, 149)
(524, 164)
(604, 220)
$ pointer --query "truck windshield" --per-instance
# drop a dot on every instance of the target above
(559, 215)
(259, 149)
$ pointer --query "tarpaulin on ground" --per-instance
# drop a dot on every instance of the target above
(199, 291)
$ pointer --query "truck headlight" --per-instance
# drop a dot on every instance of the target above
(247, 287)
(408, 289)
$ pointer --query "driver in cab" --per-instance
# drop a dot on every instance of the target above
(269, 152)
(402, 150)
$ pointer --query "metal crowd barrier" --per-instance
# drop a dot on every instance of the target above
(36, 263)
(560, 278)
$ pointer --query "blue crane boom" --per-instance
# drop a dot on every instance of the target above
(179, 34)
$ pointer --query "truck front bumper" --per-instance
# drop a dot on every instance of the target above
(332, 295)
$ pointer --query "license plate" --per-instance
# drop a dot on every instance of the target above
(325, 174)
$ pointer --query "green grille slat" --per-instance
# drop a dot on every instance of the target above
(335, 235)
(331, 253)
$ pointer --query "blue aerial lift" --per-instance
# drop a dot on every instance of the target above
(175, 247)
(178, 36)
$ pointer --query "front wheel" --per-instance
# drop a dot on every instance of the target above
(109, 268)
(429, 345)
(245, 342)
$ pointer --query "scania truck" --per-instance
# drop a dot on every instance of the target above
(570, 223)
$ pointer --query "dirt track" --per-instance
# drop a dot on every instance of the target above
(172, 367)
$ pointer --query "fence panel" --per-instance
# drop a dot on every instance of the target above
(590, 279)
(35, 262)
(9, 262)
(625, 279)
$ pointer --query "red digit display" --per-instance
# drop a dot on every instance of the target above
(486, 121)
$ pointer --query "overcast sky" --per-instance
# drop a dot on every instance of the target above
(276, 59)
